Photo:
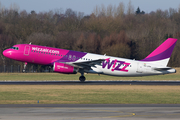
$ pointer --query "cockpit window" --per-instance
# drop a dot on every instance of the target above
(15, 48)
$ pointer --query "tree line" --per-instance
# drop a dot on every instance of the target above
(116, 31)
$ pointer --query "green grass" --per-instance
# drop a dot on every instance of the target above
(97, 94)
(87, 94)
(57, 76)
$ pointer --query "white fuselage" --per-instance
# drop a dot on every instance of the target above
(123, 67)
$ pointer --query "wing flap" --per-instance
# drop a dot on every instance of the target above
(89, 64)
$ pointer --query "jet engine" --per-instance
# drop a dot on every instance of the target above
(64, 68)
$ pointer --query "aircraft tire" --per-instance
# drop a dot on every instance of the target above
(82, 78)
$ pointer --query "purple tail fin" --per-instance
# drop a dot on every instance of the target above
(164, 51)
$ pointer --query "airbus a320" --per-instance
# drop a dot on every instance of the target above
(71, 62)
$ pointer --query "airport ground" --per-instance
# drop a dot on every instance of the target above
(127, 101)
(72, 77)
(88, 112)
(89, 94)
(75, 77)
(112, 102)
(53, 88)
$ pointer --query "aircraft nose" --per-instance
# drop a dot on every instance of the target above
(7, 53)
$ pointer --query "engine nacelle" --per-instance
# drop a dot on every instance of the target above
(64, 68)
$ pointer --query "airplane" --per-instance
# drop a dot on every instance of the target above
(71, 62)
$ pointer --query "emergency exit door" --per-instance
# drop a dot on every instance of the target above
(26, 50)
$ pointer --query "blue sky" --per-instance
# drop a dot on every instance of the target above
(87, 6)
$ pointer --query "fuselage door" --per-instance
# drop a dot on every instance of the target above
(26, 50)
(140, 67)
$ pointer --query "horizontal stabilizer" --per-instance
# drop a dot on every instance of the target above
(161, 69)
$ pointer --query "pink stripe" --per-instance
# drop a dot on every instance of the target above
(37, 58)
(164, 46)
(114, 65)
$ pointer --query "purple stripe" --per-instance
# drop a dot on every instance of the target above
(166, 54)
(72, 56)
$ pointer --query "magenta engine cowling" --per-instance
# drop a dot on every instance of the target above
(64, 68)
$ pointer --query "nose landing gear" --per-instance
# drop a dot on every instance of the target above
(25, 64)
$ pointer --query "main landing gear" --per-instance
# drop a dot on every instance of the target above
(82, 78)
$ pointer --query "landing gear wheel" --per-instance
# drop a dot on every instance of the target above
(24, 70)
(82, 78)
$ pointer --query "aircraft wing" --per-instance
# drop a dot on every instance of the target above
(88, 64)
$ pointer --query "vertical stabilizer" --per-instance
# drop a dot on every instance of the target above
(162, 54)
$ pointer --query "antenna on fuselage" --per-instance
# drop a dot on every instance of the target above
(105, 54)
(30, 43)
